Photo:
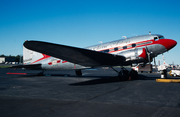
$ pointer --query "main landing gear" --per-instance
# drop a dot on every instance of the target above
(125, 75)
(41, 73)
(78, 72)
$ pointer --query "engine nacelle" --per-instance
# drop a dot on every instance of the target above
(137, 54)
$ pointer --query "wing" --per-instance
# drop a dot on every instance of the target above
(75, 55)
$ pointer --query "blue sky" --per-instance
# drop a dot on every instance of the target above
(82, 23)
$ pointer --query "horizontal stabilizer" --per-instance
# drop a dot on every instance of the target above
(31, 66)
(75, 55)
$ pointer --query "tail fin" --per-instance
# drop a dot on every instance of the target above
(29, 56)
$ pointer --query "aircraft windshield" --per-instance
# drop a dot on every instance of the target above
(161, 37)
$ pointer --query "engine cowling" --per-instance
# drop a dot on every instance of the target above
(137, 54)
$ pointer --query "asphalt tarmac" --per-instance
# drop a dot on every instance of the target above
(97, 93)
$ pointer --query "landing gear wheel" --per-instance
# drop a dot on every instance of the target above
(133, 75)
(124, 74)
(78, 72)
(41, 73)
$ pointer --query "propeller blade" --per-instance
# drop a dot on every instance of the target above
(149, 56)
(155, 63)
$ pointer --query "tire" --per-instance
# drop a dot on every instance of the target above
(133, 74)
(78, 72)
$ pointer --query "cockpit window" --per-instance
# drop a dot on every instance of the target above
(161, 37)
(156, 38)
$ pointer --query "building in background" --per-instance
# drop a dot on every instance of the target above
(7, 59)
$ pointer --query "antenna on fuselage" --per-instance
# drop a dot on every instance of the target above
(124, 37)
(101, 42)
(149, 32)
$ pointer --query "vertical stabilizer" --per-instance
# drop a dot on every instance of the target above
(29, 56)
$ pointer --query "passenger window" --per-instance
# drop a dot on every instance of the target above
(133, 45)
(105, 51)
(116, 49)
(124, 47)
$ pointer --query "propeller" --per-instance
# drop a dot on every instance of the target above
(155, 63)
(149, 55)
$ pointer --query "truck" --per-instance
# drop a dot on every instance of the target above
(174, 73)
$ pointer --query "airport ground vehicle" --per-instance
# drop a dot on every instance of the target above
(174, 73)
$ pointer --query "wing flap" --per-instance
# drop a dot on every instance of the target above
(75, 55)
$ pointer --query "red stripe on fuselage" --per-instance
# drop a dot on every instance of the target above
(163, 42)
(44, 57)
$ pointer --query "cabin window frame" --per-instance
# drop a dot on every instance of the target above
(124, 47)
(133, 45)
(116, 49)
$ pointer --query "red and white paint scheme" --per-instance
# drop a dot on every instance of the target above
(123, 52)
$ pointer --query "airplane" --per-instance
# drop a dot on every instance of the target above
(122, 52)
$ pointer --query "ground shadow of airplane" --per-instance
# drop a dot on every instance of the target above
(109, 79)
(93, 79)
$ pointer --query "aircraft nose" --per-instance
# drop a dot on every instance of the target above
(169, 44)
